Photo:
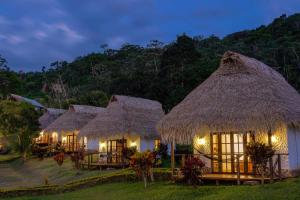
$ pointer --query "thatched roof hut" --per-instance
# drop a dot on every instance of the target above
(243, 94)
(74, 119)
(49, 116)
(32, 102)
(125, 116)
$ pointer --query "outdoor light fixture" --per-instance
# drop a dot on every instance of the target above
(274, 139)
(201, 141)
(102, 145)
(133, 144)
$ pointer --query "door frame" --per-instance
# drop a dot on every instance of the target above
(232, 153)
(118, 152)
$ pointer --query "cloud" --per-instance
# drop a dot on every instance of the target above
(34, 33)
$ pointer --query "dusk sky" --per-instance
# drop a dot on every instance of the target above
(34, 33)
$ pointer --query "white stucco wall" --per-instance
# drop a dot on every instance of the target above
(93, 144)
(293, 136)
(147, 145)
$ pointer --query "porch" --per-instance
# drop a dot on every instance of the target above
(100, 160)
(274, 169)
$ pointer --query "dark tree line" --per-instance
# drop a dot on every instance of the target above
(164, 72)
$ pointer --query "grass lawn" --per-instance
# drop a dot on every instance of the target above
(282, 190)
(33, 173)
(8, 157)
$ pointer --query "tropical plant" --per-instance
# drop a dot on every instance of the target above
(19, 123)
(59, 158)
(128, 152)
(78, 157)
(192, 171)
(142, 163)
(260, 153)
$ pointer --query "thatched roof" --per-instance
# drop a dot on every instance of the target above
(32, 102)
(242, 95)
(49, 116)
(74, 119)
(126, 116)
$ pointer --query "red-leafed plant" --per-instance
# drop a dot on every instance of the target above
(192, 171)
(59, 158)
(142, 163)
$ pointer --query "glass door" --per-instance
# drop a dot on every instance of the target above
(228, 151)
(114, 150)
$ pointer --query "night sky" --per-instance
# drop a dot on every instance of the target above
(34, 33)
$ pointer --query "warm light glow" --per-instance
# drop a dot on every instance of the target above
(42, 133)
(64, 139)
(201, 141)
(133, 144)
(274, 139)
(102, 145)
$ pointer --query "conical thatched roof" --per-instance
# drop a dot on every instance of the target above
(49, 116)
(242, 95)
(126, 116)
(74, 119)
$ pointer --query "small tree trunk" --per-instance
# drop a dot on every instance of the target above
(24, 156)
(144, 179)
(151, 174)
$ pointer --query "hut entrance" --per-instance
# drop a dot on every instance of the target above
(114, 150)
(228, 151)
(72, 144)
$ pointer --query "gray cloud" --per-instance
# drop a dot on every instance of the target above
(34, 33)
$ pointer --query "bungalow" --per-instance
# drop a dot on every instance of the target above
(126, 122)
(45, 120)
(244, 100)
(32, 102)
(66, 127)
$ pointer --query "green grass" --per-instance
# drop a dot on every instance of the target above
(134, 191)
(8, 157)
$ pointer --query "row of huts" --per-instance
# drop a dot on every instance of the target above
(125, 122)
(244, 100)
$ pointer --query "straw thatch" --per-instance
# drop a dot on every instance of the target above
(32, 102)
(74, 119)
(126, 116)
(243, 94)
(49, 116)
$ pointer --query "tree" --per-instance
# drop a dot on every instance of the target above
(142, 163)
(19, 120)
(192, 171)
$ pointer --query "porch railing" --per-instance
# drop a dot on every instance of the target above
(273, 171)
(104, 159)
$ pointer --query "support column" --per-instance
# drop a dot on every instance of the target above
(173, 156)
(270, 159)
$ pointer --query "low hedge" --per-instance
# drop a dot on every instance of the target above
(121, 176)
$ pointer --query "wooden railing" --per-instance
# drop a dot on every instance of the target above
(273, 170)
(104, 159)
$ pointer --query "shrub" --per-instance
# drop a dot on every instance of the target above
(260, 153)
(59, 158)
(162, 151)
(128, 152)
(192, 171)
(142, 163)
(77, 157)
